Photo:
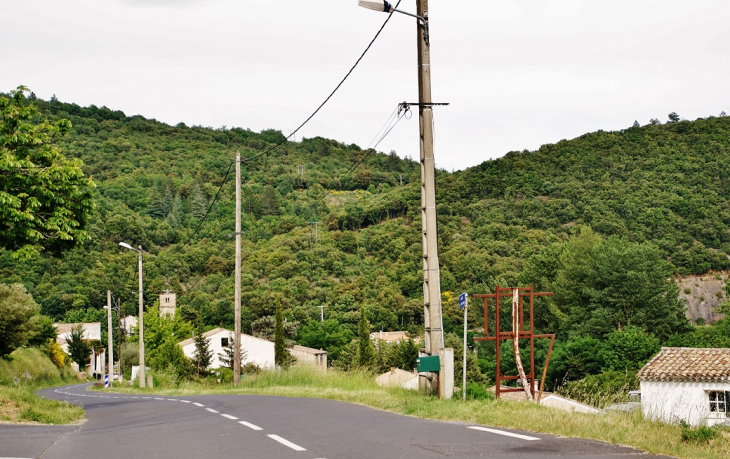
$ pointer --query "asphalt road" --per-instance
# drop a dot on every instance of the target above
(124, 426)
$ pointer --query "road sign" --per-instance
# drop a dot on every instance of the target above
(106, 381)
(462, 300)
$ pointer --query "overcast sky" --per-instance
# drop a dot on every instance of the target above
(518, 73)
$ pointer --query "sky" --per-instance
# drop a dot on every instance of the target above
(518, 74)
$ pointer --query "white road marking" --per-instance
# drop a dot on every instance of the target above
(212, 410)
(158, 398)
(286, 442)
(147, 398)
(503, 432)
(185, 401)
(228, 416)
(249, 425)
(198, 404)
(172, 399)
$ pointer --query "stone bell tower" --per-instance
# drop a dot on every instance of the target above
(168, 302)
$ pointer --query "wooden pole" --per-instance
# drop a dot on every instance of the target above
(237, 300)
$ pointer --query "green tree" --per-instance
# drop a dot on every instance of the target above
(45, 199)
(629, 349)
(365, 349)
(78, 348)
(228, 357)
(280, 353)
(328, 335)
(17, 314)
(203, 355)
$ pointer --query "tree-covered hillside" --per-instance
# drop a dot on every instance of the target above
(578, 217)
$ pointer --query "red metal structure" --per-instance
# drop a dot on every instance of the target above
(515, 335)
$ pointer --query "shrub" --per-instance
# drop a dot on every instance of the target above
(601, 390)
(700, 321)
(701, 434)
(687, 290)
(55, 353)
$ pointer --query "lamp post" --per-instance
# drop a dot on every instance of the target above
(141, 313)
(431, 275)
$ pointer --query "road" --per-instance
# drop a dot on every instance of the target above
(123, 426)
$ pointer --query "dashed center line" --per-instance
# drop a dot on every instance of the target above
(212, 410)
(198, 404)
(228, 416)
(249, 425)
(185, 401)
(286, 442)
(505, 433)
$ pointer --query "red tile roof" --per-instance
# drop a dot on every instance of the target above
(688, 365)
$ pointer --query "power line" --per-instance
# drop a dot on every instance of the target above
(296, 130)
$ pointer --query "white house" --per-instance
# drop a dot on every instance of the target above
(685, 384)
(258, 351)
(91, 332)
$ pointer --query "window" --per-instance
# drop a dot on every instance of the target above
(719, 401)
(167, 299)
(224, 342)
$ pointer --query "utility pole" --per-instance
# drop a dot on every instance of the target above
(110, 339)
(321, 312)
(431, 274)
(237, 300)
(316, 231)
(400, 177)
(141, 322)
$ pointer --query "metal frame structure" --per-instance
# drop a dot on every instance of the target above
(499, 336)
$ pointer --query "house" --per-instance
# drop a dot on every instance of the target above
(686, 384)
(91, 332)
(256, 350)
(391, 336)
(310, 356)
(129, 323)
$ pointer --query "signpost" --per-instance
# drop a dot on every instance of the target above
(463, 305)
(106, 381)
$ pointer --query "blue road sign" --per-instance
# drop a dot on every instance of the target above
(106, 381)
(462, 300)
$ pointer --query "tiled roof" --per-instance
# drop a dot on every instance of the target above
(307, 350)
(688, 365)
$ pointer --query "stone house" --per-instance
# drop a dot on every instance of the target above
(309, 356)
(686, 384)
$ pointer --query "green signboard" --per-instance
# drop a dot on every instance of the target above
(428, 364)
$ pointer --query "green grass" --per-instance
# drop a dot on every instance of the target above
(359, 387)
(21, 404)
(34, 370)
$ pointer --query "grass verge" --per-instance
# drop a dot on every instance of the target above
(34, 370)
(619, 428)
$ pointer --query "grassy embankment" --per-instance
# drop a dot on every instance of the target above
(33, 370)
(625, 429)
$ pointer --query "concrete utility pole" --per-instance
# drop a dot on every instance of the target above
(237, 300)
(431, 274)
(321, 312)
(110, 341)
(142, 377)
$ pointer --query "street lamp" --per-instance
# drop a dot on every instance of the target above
(141, 313)
(431, 275)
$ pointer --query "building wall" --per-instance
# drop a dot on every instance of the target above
(318, 360)
(676, 401)
(259, 351)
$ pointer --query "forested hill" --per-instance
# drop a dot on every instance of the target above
(666, 184)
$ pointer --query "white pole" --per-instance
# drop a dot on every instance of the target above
(141, 324)
(110, 341)
(463, 366)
